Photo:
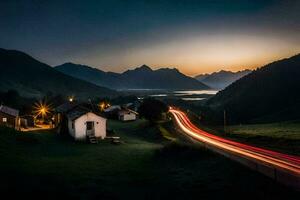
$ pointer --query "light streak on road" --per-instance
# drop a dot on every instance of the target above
(275, 159)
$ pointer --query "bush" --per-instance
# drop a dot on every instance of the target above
(152, 109)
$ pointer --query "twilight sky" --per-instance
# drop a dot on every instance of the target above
(114, 35)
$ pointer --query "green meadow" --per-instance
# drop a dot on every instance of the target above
(281, 136)
(150, 163)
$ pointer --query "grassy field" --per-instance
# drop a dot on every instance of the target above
(145, 166)
(286, 130)
(284, 136)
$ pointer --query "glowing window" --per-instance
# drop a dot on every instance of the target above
(4, 119)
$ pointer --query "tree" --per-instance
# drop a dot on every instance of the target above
(152, 109)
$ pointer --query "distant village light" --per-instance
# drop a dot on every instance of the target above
(103, 105)
(71, 98)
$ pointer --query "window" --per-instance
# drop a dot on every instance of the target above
(4, 119)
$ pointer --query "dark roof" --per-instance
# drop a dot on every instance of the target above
(78, 112)
(9, 111)
(126, 111)
(66, 107)
(112, 108)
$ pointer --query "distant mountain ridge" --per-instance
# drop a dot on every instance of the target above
(139, 78)
(221, 79)
(270, 93)
(32, 78)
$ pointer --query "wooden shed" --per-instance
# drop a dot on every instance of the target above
(9, 117)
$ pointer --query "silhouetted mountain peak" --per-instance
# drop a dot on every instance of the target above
(77, 67)
(222, 78)
(32, 78)
(71, 64)
(144, 68)
(141, 69)
(142, 77)
(167, 69)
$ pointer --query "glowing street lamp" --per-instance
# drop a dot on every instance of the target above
(41, 109)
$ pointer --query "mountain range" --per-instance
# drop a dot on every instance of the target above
(270, 93)
(139, 78)
(32, 78)
(220, 80)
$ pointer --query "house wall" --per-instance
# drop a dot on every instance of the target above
(79, 131)
(127, 117)
(13, 122)
(71, 129)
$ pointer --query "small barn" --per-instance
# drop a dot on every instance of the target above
(127, 115)
(84, 124)
(9, 117)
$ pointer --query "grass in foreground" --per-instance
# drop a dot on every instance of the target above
(147, 166)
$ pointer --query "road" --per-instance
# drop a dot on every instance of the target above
(36, 128)
(273, 160)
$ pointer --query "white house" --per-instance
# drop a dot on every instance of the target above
(83, 124)
(127, 115)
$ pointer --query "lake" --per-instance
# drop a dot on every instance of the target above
(186, 95)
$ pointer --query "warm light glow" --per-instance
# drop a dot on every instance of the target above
(71, 98)
(103, 105)
(203, 53)
(41, 109)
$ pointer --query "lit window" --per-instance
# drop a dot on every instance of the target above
(4, 119)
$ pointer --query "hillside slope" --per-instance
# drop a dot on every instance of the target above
(32, 78)
(270, 93)
(221, 79)
(140, 78)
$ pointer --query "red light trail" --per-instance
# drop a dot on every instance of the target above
(277, 160)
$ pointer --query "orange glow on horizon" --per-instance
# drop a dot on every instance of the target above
(201, 54)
